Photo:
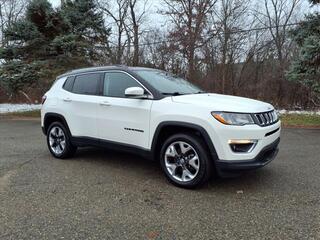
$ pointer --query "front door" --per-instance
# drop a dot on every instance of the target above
(122, 119)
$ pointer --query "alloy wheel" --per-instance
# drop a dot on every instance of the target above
(57, 140)
(182, 161)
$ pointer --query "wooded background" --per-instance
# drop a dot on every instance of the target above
(267, 49)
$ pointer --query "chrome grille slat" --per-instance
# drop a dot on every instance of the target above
(269, 120)
(265, 118)
(271, 116)
(259, 119)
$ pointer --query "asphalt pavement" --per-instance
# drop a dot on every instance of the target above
(101, 194)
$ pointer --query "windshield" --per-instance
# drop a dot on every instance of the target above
(167, 83)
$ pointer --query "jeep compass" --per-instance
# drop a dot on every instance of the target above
(193, 134)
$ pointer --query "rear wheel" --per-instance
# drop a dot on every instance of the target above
(58, 141)
(185, 160)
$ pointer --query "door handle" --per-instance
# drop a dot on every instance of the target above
(67, 100)
(105, 103)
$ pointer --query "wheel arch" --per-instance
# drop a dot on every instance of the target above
(168, 128)
(54, 117)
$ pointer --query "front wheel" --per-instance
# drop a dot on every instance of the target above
(185, 160)
(58, 141)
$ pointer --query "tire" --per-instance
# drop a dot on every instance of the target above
(192, 166)
(59, 142)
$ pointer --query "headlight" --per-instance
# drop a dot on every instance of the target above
(233, 118)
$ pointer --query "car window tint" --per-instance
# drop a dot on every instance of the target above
(86, 84)
(115, 84)
(68, 84)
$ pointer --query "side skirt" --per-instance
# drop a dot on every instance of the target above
(121, 147)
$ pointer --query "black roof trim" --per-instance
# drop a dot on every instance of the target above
(101, 68)
(92, 69)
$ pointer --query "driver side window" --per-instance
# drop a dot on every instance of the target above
(115, 84)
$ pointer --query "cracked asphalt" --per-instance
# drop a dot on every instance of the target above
(102, 194)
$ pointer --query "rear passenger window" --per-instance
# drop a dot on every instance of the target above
(68, 84)
(86, 84)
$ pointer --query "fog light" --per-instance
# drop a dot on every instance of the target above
(242, 145)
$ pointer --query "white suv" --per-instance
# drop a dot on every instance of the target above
(161, 116)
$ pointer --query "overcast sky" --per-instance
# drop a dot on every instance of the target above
(154, 19)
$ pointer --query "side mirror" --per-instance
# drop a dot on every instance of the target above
(134, 92)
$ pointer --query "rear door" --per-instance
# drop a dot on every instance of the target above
(122, 119)
(80, 104)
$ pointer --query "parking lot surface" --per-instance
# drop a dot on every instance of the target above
(101, 194)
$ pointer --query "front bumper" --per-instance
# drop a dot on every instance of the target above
(220, 135)
(266, 155)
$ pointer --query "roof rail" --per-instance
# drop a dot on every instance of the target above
(94, 68)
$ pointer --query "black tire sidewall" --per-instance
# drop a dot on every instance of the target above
(198, 145)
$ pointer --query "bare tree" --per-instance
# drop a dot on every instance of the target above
(276, 16)
(136, 20)
(229, 18)
(118, 15)
(189, 18)
(161, 53)
(10, 12)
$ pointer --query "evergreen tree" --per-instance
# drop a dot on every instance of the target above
(306, 67)
(86, 26)
(48, 41)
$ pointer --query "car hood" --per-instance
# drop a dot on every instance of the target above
(227, 103)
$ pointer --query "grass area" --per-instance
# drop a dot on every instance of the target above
(28, 114)
(304, 120)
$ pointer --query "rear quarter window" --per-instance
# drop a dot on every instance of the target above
(87, 84)
(68, 84)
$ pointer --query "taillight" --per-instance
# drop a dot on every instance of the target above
(44, 98)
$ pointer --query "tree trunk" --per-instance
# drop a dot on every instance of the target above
(136, 45)
(135, 61)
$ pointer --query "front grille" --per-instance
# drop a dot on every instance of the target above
(265, 118)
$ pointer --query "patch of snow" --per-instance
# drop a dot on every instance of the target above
(284, 111)
(8, 108)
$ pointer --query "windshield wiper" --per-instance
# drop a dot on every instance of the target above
(173, 93)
